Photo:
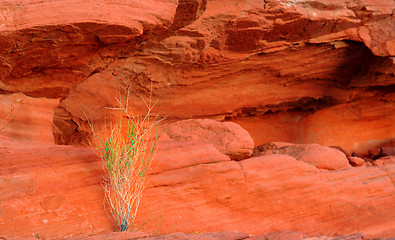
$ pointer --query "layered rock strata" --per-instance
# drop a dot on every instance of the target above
(293, 71)
(55, 192)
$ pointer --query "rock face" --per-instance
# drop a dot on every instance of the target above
(229, 138)
(282, 235)
(314, 154)
(55, 192)
(302, 72)
(356, 161)
(175, 155)
(26, 118)
(293, 71)
(174, 236)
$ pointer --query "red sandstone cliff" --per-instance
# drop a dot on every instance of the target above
(298, 71)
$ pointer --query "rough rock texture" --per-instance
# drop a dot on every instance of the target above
(282, 235)
(384, 160)
(295, 71)
(55, 192)
(275, 192)
(49, 190)
(387, 149)
(368, 122)
(26, 118)
(48, 46)
(173, 155)
(320, 156)
(288, 235)
(356, 161)
(176, 236)
(229, 138)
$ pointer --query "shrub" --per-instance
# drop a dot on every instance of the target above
(127, 151)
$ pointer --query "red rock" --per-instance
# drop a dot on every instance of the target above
(375, 152)
(324, 158)
(356, 127)
(384, 46)
(50, 190)
(384, 160)
(269, 148)
(260, 174)
(203, 236)
(378, 73)
(60, 186)
(47, 54)
(292, 124)
(176, 155)
(388, 149)
(202, 63)
(282, 235)
(130, 14)
(174, 236)
(384, 148)
(26, 118)
(229, 138)
(320, 156)
(125, 235)
(284, 126)
(356, 161)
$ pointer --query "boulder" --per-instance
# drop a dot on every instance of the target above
(356, 161)
(175, 155)
(269, 148)
(228, 137)
(320, 156)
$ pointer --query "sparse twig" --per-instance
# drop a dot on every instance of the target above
(127, 151)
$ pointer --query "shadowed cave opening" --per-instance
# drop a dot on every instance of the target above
(286, 121)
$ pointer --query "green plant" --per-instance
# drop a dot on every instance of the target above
(36, 235)
(127, 151)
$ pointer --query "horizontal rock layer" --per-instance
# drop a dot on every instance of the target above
(54, 191)
(271, 66)
(282, 235)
